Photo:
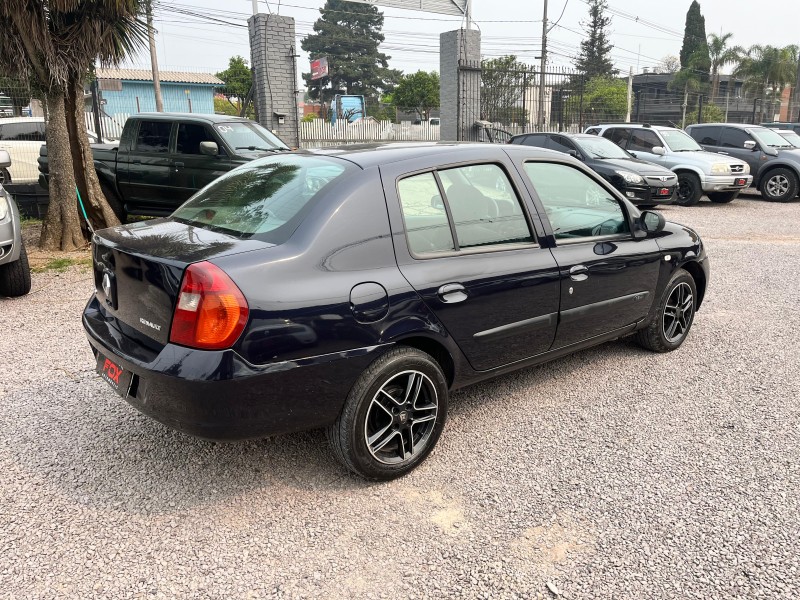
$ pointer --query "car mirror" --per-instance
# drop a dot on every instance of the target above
(5, 159)
(574, 154)
(209, 148)
(436, 202)
(750, 145)
(658, 150)
(652, 222)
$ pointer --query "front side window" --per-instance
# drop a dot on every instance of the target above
(707, 136)
(537, 141)
(189, 137)
(562, 144)
(735, 138)
(576, 205)
(618, 136)
(153, 136)
(643, 140)
(266, 198)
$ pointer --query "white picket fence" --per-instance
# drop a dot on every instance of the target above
(112, 126)
(319, 133)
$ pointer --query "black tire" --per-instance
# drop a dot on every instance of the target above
(114, 201)
(723, 197)
(659, 336)
(779, 185)
(690, 189)
(646, 206)
(380, 402)
(15, 277)
(5, 177)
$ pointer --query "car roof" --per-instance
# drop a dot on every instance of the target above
(376, 154)
(734, 125)
(635, 126)
(166, 116)
(574, 136)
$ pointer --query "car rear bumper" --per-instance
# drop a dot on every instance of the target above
(726, 183)
(217, 395)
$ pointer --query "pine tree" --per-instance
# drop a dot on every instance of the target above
(594, 59)
(349, 35)
(695, 44)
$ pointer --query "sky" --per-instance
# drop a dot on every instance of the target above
(642, 31)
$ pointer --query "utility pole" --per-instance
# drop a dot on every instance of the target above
(151, 33)
(468, 14)
(795, 106)
(685, 104)
(255, 7)
(630, 95)
(542, 67)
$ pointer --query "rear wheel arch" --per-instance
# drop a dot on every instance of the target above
(696, 271)
(436, 350)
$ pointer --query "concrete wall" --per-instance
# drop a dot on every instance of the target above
(272, 50)
(459, 83)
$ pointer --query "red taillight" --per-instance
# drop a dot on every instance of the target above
(211, 311)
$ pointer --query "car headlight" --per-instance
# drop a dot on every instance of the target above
(746, 169)
(720, 169)
(630, 177)
(3, 207)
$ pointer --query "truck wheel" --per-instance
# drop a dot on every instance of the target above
(114, 201)
(690, 189)
(722, 197)
(393, 416)
(15, 277)
(5, 177)
(779, 185)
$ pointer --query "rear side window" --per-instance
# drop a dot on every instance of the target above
(153, 136)
(479, 204)
(537, 141)
(576, 205)
(267, 198)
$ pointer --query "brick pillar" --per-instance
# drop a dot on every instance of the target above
(272, 50)
(459, 84)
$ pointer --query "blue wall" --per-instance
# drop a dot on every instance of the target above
(174, 94)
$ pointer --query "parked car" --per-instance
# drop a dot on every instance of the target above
(22, 138)
(164, 158)
(774, 162)
(722, 179)
(777, 125)
(15, 274)
(398, 277)
(641, 182)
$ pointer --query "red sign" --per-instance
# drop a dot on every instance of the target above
(319, 68)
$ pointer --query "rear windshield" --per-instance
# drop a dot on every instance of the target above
(266, 199)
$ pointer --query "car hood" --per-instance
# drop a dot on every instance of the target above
(703, 158)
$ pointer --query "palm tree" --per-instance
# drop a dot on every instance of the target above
(721, 55)
(691, 79)
(55, 43)
(767, 70)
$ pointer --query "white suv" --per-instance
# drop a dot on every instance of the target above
(720, 177)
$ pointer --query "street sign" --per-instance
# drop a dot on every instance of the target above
(319, 68)
(456, 8)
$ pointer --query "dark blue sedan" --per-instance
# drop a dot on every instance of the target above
(354, 289)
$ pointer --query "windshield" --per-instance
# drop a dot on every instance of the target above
(791, 137)
(769, 137)
(598, 147)
(267, 198)
(678, 141)
(244, 135)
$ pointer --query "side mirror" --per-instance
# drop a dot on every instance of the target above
(652, 222)
(436, 202)
(750, 145)
(209, 148)
(658, 150)
(5, 159)
(574, 154)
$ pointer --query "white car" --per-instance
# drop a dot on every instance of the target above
(22, 137)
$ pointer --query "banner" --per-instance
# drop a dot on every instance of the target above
(319, 68)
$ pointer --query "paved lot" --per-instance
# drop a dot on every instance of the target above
(611, 473)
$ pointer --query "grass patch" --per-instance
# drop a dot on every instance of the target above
(62, 264)
(30, 222)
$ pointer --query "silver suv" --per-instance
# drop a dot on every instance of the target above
(720, 177)
(15, 275)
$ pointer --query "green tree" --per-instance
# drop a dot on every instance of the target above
(238, 80)
(604, 99)
(418, 92)
(711, 114)
(594, 59)
(695, 44)
(55, 43)
(503, 84)
(721, 54)
(349, 35)
(690, 80)
(767, 70)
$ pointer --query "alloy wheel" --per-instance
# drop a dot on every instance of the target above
(401, 417)
(777, 186)
(678, 313)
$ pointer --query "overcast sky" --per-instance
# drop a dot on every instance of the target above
(507, 27)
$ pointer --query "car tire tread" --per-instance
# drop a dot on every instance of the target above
(15, 277)
(652, 337)
(697, 189)
(794, 185)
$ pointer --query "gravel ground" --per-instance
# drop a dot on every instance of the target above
(610, 473)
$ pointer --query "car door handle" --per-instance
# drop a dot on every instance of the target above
(579, 273)
(178, 165)
(450, 293)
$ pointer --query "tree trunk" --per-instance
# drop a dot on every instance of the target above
(97, 207)
(62, 227)
(714, 85)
